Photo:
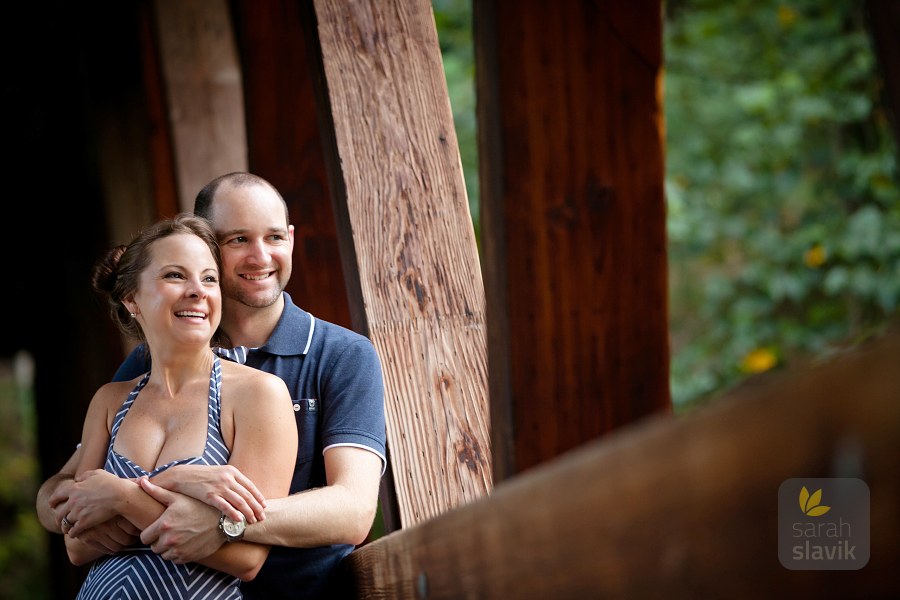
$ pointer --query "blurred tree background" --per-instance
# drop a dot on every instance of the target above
(782, 184)
(23, 542)
(783, 212)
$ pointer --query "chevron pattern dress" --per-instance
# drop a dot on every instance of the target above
(137, 573)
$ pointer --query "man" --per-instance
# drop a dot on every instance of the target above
(334, 376)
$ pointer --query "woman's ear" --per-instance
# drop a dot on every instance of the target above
(130, 305)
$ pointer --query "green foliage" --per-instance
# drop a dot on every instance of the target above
(783, 223)
(23, 552)
(783, 212)
(453, 19)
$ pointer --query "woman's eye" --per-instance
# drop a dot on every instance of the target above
(211, 279)
(174, 275)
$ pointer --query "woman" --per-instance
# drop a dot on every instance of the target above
(191, 408)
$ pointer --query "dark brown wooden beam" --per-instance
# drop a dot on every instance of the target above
(278, 46)
(884, 25)
(573, 221)
(161, 149)
(673, 507)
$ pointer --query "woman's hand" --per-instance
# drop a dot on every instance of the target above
(223, 487)
(188, 529)
(92, 499)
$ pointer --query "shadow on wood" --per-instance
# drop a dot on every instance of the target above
(680, 507)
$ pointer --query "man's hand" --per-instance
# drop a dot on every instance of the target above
(59, 499)
(112, 536)
(223, 487)
(188, 529)
(89, 500)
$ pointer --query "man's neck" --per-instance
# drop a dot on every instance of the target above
(251, 327)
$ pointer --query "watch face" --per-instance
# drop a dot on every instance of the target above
(233, 528)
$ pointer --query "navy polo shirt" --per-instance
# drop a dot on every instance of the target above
(335, 380)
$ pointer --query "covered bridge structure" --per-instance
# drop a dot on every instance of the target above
(533, 449)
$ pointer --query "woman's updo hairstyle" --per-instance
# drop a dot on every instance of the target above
(116, 273)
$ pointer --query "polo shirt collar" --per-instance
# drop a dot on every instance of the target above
(293, 333)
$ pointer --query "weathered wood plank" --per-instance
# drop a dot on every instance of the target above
(408, 245)
(681, 507)
(203, 84)
(573, 221)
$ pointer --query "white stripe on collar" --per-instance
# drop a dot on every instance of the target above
(312, 327)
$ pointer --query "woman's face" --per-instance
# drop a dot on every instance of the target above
(178, 300)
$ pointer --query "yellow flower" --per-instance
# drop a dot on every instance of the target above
(815, 257)
(786, 15)
(761, 359)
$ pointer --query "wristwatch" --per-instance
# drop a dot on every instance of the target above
(231, 529)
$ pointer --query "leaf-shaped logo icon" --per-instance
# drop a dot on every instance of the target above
(809, 503)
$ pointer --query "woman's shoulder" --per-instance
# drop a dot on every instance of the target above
(115, 392)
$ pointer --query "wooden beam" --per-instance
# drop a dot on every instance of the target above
(884, 25)
(161, 149)
(408, 245)
(284, 143)
(570, 126)
(203, 83)
(671, 507)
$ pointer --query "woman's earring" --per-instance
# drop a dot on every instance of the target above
(133, 315)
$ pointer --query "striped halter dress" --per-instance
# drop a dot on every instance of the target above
(137, 573)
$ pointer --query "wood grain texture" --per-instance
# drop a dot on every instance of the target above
(573, 221)
(408, 240)
(203, 85)
(671, 507)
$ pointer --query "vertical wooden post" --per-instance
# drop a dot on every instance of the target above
(884, 24)
(408, 244)
(573, 221)
(203, 80)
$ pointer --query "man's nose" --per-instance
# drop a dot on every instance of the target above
(259, 252)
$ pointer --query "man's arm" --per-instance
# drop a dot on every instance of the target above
(57, 486)
(342, 512)
(52, 504)
(58, 482)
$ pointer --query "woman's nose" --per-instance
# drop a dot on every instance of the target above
(195, 289)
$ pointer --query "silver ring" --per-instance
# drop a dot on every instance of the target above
(66, 524)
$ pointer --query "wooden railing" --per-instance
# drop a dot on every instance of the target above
(673, 507)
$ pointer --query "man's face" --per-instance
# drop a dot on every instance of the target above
(256, 243)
